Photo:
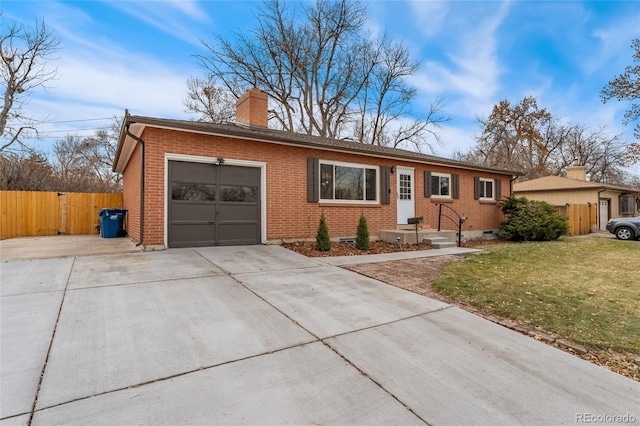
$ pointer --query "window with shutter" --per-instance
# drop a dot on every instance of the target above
(330, 181)
(440, 185)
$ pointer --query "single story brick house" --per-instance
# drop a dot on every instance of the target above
(189, 183)
(611, 200)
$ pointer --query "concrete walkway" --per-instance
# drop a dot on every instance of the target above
(401, 255)
(262, 335)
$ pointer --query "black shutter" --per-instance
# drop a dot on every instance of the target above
(498, 189)
(476, 187)
(385, 185)
(313, 180)
(456, 186)
(427, 184)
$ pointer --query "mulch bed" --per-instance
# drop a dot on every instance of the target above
(308, 248)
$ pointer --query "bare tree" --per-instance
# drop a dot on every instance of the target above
(85, 164)
(528, 139)
(209, 102)
(25, 55)
(513, 136)
(26, 171)
(78, 164)
(73, 172)
(626, 86)
(386, 99)
(603, 155)
(324, 73)
(633, 153)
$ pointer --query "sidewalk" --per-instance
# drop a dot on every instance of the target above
(402, 255)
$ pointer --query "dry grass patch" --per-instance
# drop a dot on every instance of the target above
(583, 290)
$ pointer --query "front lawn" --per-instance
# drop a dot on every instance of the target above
(586, 290)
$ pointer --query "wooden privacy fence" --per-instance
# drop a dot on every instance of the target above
(581, 218)
(37, 213)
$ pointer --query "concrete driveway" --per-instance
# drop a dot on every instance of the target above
(261, 335)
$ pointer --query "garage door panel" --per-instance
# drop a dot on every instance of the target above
(238, 233)
(192, 172)
(192, 212)
(234, 175)
(241, 212)
(192, 234)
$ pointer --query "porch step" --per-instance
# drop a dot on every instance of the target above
(407, 228)
(408, 236)
(439, 242)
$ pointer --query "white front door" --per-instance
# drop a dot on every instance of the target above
(603, 212)
(405, 195)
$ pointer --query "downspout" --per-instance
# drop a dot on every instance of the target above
(511, 185)
(139, 140)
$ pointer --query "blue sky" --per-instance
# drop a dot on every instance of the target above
(138, 55)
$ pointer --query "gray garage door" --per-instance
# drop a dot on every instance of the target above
(211, 205)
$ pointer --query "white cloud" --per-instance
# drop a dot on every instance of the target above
(88, 90)
(99, 84)
(147, 86)
(615, 44)
(472, 78)
(190, 8)
(478, 59)
(100, 77)
(168, 16)
(429, 15)
(456, 139)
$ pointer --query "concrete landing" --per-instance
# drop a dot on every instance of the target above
(23, 248)
(408, 236)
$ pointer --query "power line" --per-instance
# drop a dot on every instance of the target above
(71, 130)
(44, 134)
(79, 121)
(48, 134)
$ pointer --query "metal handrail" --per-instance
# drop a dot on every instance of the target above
(459, 223)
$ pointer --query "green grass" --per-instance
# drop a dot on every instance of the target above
(586, 290)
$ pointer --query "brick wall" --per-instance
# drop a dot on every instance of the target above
(131, 194)
(289, 215)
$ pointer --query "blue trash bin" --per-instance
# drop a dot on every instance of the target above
(112, 223)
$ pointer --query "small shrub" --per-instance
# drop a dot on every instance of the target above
(362, 235)
(323, 241)
(529, 220)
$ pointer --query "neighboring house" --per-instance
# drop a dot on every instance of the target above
(188, 183)
(612, 201)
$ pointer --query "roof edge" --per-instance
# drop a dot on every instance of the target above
(277, 136)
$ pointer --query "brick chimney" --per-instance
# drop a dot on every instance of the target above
(252, 109)
(577, 172)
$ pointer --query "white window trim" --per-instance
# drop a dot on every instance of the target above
(354, 165)
(493, 189)
(439, 175)
(211, 160)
